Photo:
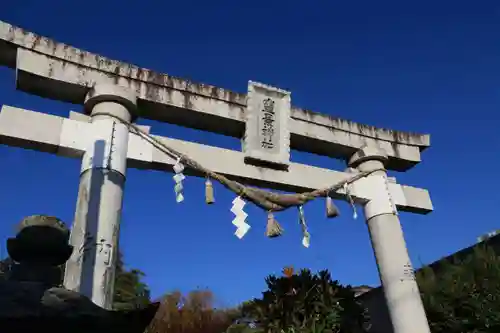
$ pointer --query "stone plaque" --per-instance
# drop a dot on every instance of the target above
(267, 137)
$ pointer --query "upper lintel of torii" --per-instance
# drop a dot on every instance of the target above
(58, 71)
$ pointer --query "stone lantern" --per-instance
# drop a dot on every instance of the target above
(31, 297)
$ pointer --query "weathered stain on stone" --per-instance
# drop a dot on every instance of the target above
(168, 81)
(214, 93)
(187, 96)
(36, 42)
(152, 92)
(51, 45)
(395, 149)
(234, 97)
(51, 69)
(65, 50)
(97, 60)
(157, 86)
(197, 88)
(108, 62)
(357, 128)
(237, 112)
(23, 32)
(129, 70)
(116, 76)
(81, 56)
(149, 94)
(156, 78)
(11, 34)
(140, 73)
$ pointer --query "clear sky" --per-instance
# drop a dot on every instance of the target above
(429, 66)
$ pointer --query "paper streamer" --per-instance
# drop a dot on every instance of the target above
(306, 237)
(178, 178)
(240, 217)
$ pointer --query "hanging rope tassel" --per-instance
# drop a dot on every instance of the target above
(209, 192)
(306, 237)
(273, 228)
(351, 201)
(331, 209)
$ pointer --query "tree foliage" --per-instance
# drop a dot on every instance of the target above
(130, 291)
(306, 302)
(464, 296)
(192, 313)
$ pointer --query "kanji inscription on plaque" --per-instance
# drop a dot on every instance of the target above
(267, 137)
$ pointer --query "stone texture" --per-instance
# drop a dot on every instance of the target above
(267, 136)
(58, 71)
(31, 299)
(70, 139)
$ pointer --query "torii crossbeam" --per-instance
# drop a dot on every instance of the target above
(263, 118)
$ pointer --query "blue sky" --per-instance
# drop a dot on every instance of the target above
(431, 67)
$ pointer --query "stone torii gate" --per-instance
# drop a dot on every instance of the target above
(110, 90)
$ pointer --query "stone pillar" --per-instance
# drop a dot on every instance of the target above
(395, 270)
(94, 235)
